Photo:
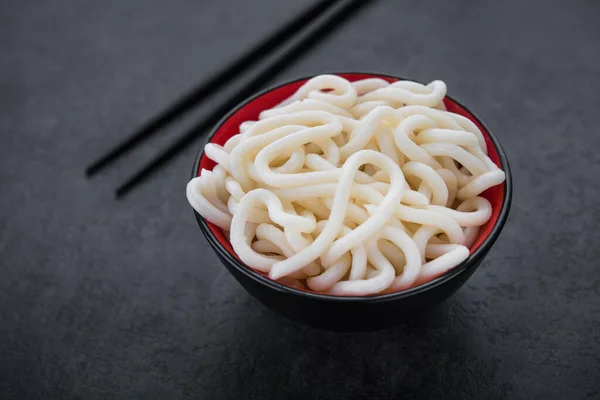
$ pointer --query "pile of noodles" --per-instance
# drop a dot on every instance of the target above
(351, 188)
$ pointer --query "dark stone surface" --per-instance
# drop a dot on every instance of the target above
(102, 299)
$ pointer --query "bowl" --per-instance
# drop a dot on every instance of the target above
(352, 313)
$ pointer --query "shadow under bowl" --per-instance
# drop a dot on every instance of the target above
(352, 313)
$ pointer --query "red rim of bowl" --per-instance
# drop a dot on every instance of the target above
(499, 196)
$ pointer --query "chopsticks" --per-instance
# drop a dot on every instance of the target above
(313, 33)
(210, 85)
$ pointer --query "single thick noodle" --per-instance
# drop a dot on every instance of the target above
(351, 188)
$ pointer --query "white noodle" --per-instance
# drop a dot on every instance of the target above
(351, 188)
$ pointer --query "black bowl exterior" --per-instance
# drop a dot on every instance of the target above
(357, 313)
(348, 316)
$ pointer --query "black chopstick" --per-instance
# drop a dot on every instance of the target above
(316, 32)
(210, 85)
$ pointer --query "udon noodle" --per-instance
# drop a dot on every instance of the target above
(351, 188)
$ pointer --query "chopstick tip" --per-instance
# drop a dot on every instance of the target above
(121, 191)
(89, 172)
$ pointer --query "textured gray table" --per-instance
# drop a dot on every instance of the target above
(102, 299)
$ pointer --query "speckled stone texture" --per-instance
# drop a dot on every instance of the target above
(102, 299)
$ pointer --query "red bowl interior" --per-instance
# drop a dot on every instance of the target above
(268, 100)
